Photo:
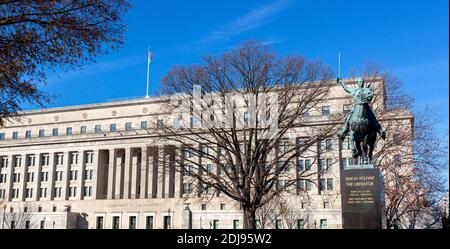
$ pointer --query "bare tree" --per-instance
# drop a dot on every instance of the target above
(234, 118)
(19, 219)
(36, 36)
(412, 158)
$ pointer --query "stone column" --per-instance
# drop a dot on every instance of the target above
(80, 180)
(65, 179)
(95, 173)
(37, 175)
(23, 177)
(119, 177)
(111, 174)
(127, 173)
(144, 173)
(135, 169)
(51, 175)
(9, 179)
(161, 172)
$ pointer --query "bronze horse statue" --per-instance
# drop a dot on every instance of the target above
(361, 123)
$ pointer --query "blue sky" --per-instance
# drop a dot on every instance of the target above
(409, 37)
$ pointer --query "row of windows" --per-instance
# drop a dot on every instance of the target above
(45, 159)
(73, 176)
(306, 185)
(83, 130)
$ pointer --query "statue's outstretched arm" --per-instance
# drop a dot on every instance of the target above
(346, 88)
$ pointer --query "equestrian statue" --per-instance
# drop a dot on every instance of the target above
(360, 123)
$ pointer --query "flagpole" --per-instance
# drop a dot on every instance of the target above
(339, 64)
(148, 72)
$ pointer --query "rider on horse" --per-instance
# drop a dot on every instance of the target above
(357, 97)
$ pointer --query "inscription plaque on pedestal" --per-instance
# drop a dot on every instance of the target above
(361, 198)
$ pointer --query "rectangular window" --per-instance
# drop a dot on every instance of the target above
(300, 165)
(215, 224)
(301, 224)
(149, 222)
(83, 129)
(55, 132)
(326, 111)
(321, 184)
(326, 205)
(301, 184)
(308, 164)
(116, 222)
(99, 222)
(308, 185)
(235, 224)
(320, 164)
(278, 224)
(329, 144)
(15, 135)
(159, 124)
(41, 133)
(28, 134)
(42, 224)
(167, 222)
(69, 131)
(330, 184)
(112, 127)
(98, 128)
(323, 224)
(176, 123)
(329, 163)
(128, 126)
(143, 124)
(2, 136)
(279, 184)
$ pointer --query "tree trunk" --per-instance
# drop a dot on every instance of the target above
(249, 218)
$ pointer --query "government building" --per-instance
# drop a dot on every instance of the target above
(96, 166)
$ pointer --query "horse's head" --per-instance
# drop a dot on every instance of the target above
(366, 94)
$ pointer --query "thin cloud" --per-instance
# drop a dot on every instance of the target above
(253, 19)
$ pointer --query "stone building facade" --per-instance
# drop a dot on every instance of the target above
(96, 166)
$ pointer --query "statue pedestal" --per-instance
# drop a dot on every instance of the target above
(361, 196)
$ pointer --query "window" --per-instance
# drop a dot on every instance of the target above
(74, 158)
(235, 224)
(31, 160)
(69, 131)
(15, 193)
(116, 222)
(215, 224)
(88, 174)
(308, 164)
(149, 222)
(143, 124)
(329, 163)
(99, 222)
(203, 206)
(329, 144)
(16, 177)
(187, 188)
(45, 159)
(59, 159)
(321, 184)
(326, 205)
(2, 136)
(30, 177)
(222, 206)
(83, 129)
(54, 208)
(330, 184)
(73, 175)
(29, 193)
(320, 164)
(280, 184)
(98, 129)
(89, 158)
(44, 176)
(128, 126)
(42, 224)
(57, 192)
(326, 111)
(308, 185)
(18, 161)
(15, 135)
(112, 127)
(278, 224)
(28, 134)
(283, 147)
(188, 153)
(247, 117)
(159, 124)
(397, 139)
(209, 168)
(300, 165)
(176, 122)
(43, 192)
(39, 209)
(55, 132)
(132, 222)
(305, 114)
(167, 222)
(301, 184)
(87, 191)
(301, 224)
(323, 224)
